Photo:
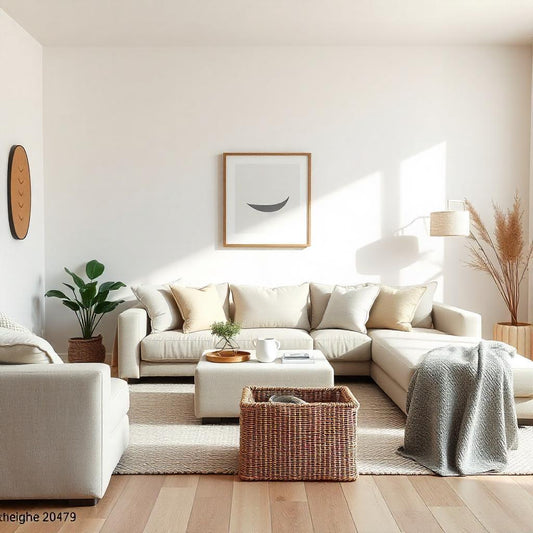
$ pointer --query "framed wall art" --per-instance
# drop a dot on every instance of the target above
(267, 200)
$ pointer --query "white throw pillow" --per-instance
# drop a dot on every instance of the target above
(6, 322)
(265, 307)
(199, 307)
(349, 308)
(160, 306)
(424, 312)
(23, 347)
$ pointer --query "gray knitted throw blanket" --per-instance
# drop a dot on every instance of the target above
(461, 414)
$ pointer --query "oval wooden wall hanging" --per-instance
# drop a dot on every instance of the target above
(19, 192)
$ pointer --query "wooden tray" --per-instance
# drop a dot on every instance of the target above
(228, 356)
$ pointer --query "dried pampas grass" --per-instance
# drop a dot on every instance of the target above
(505, 257)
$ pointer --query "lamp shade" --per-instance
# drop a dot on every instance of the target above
(449, 223)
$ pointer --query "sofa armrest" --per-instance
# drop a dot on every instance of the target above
(456, 321)
(132, 328)
(53, 436)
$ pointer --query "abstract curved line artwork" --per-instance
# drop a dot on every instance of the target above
(269, 208)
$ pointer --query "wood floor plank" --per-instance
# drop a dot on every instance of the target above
(513, 497)
(291, 517)
(106, 504)
(494, 516)
(212, 505)
(434, 492)
(406, 505)
(367, 507)
(288, 507)
(131, 512)
(328, 508)
(171, 511)
(181, 481)
(287, 491)
(84, 525)
(457, 520)
(250, 507)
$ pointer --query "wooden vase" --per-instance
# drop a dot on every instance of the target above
(519, 336)
(86, 350)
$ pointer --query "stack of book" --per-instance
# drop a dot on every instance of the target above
(297, 357)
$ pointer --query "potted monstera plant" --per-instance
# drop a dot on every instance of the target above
(90, 303)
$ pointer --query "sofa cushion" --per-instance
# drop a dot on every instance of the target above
(320, 294)
(342, 345)
(395, 308)
(265, 307)
(349, 308)
(398, 353)
(199, 307)
(23, 347)
(160, 306)
(174, 346)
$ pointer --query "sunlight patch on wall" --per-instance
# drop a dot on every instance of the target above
(422, 190)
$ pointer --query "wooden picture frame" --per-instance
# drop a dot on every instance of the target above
(267, 200)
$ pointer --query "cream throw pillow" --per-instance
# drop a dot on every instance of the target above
(23, 347)
(349, 308)
(160, 306)
(198, 307)
(395, 308)
(265, 307)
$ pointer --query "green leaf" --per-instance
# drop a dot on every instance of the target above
(72, 305)
(106, 307)
(77, 280)
(88, 294)
(69, 286)
(94, 269)
(56, 294)
(111, 286)
(101, 297)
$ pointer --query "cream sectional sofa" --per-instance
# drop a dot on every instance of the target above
(388, 356)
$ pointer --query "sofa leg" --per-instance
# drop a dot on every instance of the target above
(89, 502)
(133, 381)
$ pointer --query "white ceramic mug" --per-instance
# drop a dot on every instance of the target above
(266, 350)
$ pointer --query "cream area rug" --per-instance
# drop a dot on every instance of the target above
(166, 438)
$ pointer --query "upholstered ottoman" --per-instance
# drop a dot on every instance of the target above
(218, 386)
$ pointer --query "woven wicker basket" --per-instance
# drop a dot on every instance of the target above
(314, 441)
(86, 350)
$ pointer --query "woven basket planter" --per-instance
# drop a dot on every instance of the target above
(315, 441)
(86, 350)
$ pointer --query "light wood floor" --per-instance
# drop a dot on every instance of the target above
(212, 504)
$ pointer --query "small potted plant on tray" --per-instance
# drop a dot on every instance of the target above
(89, 303)
(226, 348)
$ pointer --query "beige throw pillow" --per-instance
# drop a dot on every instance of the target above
(199, 307)
(349, 308)
(265, 307)
(395, 308)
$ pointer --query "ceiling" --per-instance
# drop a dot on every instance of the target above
(273, 22)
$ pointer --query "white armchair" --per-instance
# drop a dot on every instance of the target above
(64, 429)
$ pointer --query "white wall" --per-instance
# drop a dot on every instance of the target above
(134, 139)
(21, 122)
